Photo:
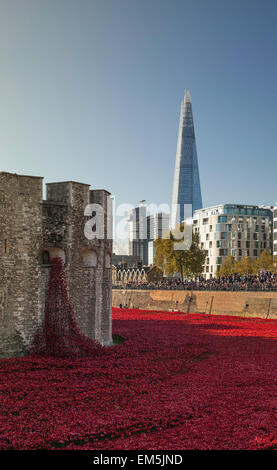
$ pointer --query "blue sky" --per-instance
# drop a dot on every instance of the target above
(91, 91)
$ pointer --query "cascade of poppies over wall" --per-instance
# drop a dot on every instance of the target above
(59, 334)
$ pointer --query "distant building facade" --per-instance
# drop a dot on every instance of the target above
(137, 233)
(157, 224)
(121, 277)
(232, 230)
(126, 261)
(186, 183)
(144, 229)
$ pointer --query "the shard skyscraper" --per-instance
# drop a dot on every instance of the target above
(186, 184)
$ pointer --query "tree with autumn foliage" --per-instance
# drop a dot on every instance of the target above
(186, 262)
(245, 266)
(248, 265)
(264, 262)
(227, 267)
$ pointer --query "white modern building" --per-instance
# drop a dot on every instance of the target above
(233, 230)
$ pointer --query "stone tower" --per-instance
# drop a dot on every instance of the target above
(31, 232)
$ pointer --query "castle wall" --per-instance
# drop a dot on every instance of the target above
(64, 223)
(20, 238)
(30, 226)
(248, 304)
(104, 301)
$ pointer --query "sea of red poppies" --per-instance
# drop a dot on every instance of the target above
(174, 381)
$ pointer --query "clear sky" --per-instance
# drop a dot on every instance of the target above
(91, 91)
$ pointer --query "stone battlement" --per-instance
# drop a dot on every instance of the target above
(31, 232)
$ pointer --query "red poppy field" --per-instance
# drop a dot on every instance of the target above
(175, 381)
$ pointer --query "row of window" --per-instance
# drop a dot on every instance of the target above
(224, 236)
(235, 244)
(233, 252)
(237, 253)
(247, 211)
(238, 244)
(238, 229)
(241, 220)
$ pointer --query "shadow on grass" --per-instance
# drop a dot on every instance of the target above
(117, 339)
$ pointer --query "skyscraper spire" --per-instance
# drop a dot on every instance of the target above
(187, 96)
(186, 183)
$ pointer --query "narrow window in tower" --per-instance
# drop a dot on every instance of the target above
(45, 257)
(6, 248)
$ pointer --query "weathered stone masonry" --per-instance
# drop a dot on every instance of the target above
(244, 304)
(31, 231)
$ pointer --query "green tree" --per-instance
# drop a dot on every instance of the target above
(227, 267)
(196, 257)
(163, 250)
(184, 262)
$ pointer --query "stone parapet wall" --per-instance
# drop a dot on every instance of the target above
(248, 304)
(33, 231)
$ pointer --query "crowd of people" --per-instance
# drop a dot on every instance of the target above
(266, 281)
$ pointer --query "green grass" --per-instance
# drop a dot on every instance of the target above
(117, 339)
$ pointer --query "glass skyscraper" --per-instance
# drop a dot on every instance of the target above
(186, 184)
